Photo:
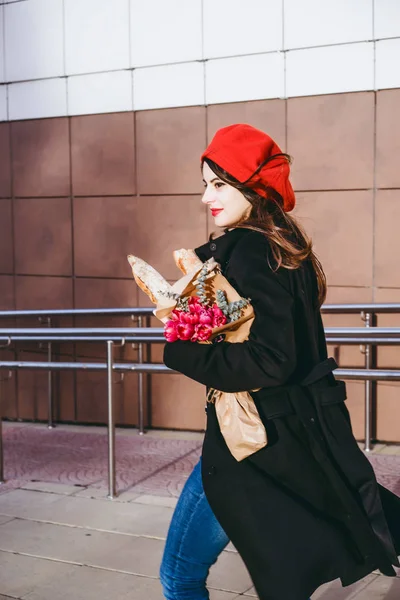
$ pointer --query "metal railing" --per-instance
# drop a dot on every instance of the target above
(369, 337)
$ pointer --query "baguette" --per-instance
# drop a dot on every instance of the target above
(149, 280)
(187, 260)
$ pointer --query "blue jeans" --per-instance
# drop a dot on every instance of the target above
(194, 542)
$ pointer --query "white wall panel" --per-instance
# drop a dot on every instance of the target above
(252, 77)
(100, 93)
(323, 22)
(2, 57)
(37, 99)
(387, 74)
(165, 32)
(172, 85)
(34, 39)
(235, 27)
(330, 70)
(96, 35)
(386, 18)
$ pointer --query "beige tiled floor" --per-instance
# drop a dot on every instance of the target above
(60, 542)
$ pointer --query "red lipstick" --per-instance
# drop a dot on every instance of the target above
(216, 211)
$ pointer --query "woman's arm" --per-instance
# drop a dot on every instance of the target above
(268, 358)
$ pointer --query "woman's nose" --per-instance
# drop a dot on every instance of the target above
(207, 197)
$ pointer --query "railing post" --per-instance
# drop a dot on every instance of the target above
(2, 480)
(50, 423)
(369, 387)
(140, 385)
(111, 422)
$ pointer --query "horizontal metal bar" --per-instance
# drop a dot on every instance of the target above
(362, 332)
(77, 312)
(361, 374)
(378, 308)
(363, 340)
(371, 374)
(326, 308)
(88, 331)
(75, 366)
(161, 339)
(130, 339)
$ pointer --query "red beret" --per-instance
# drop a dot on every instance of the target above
(240, 149)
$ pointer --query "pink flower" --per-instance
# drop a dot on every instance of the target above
(191, 318)
(185, 331)
(170, 331)
(195, 305)
(219, 318)
(206, 317)
(202, 333)
(176, 315)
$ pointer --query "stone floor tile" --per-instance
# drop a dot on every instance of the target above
(229, 574)
(335, 591)
(93, 492)
(51, 487)
(5, 519)
(20, 575)
(138, 519)
(251, 592)
(221, 595)
(85, 583)
(119, 552)
(381, 588)
(156, 500)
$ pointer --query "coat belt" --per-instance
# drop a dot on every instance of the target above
(277, 402)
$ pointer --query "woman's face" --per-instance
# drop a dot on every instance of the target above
(228, 206)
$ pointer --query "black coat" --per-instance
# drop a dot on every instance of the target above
(305, 509)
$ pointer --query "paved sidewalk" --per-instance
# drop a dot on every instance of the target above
(62, 539)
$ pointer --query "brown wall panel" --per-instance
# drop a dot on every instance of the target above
(103, 155)
(108, 229)
(9, 408)
(267, 115)
(341, 226)
(6, 237)
(388, 138)
(43, 292)
(177, 402)
(169, 144)
(40, 157)
(388, 411)
(43, 240)
(5, 162)
(387, 239)
(7, 297)
(32, 388)
(332, 141)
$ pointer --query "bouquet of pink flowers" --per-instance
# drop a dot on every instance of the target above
(203, 307)
(204, 310)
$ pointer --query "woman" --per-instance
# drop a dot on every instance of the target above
(306, 508)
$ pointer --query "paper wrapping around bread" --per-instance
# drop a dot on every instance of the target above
(187, 260)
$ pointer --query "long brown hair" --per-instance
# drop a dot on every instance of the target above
(290, 245)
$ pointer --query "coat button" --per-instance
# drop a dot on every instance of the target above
(211, 470)
(213, 247)
(312, 420)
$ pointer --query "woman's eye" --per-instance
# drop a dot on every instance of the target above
(218, 184)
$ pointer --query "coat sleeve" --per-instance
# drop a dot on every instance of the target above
(268, 357)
